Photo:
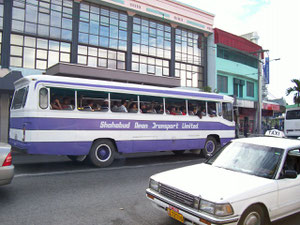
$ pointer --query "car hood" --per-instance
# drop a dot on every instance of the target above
(215, 184)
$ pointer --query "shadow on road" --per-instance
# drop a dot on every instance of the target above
(32, 164)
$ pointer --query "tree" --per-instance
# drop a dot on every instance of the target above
(295, 89)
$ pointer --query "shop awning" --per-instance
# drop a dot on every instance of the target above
(237, 42)
(271, 106)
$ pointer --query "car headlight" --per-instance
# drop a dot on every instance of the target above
(223, 210)
(216, 209)
(154, 185)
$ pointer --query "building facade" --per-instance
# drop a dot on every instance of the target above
(236, 74)
(159, 42)
(164, 39)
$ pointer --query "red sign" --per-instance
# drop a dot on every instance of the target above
(273, 107)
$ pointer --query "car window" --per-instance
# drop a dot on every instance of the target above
(292, 161)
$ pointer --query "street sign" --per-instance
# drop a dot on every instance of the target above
(267, 70)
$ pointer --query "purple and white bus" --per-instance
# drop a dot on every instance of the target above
(94, 120)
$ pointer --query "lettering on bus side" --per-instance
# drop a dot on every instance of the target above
(150, 125)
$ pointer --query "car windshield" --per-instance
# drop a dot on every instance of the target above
(248, 158)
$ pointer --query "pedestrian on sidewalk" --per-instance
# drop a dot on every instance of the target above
(246, 127)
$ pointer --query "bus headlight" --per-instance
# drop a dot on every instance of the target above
(154, 185)
(216, 209)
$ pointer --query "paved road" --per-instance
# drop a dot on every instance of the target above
(53, 190)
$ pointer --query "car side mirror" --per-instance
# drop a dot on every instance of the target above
(290, 174)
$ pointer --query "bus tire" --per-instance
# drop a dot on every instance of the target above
(210, 147)
(178, 152)
(77, 158)
(102, 153)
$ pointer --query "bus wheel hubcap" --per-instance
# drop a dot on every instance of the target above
(210, 147)
(103, 152)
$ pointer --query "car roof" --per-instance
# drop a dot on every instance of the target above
(283, 143)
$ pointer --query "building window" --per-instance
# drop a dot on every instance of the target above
(151, 38)
(102, 26)
(37, 53)
(100, 57)
(150, 65)
(190, 75)
(43, 18)
(250, 89)
(188, 56)
(222, 84)
(1, 14)
(238, 86)
(151, 45)
(237, 57)
(187, 46)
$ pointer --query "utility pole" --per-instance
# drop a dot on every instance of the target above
(259, 105)
(259, 92)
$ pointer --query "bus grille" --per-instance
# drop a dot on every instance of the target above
(179, 196)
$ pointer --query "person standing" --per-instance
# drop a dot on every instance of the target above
(246, 127)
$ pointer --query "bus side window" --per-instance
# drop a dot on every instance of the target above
(211, 108)
(62, 99)
(20, 97)
(93, 101)
(150, 104)
(175, 106)
(197, 108)
(43, 98)
(123, 103)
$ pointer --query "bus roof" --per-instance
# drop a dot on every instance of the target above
(91, 84)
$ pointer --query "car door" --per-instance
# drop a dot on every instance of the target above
(289, 188)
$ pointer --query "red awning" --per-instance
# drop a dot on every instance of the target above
(237, 42)
(273, 107)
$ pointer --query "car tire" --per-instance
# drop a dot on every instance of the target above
(102, 153)
(77, 158)
(254, 215)
(179, 152)
(210, 147)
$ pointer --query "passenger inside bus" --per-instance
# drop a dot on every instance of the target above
(89, 106)
(104, 106)
(55, 103)
(123, 106)
(133, 108)
(67, 105)
(212, 109)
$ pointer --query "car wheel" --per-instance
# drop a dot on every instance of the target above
(179, 152)
(102, 153)
(255, 215)
(77, 158)
(210, 147)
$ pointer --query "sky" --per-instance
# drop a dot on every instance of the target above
(277, 24)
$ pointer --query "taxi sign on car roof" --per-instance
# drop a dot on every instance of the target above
(274, 133)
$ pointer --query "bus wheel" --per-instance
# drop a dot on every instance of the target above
(77, 158)
(210, 147)
(179, 152)
(102, 153)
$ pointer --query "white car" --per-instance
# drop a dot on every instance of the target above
(250, 181)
